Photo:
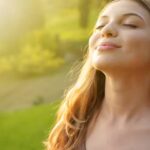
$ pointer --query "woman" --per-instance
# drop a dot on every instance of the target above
(108, 108)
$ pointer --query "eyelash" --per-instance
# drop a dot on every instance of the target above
(127, 25)
(130, 25)
(99, 27)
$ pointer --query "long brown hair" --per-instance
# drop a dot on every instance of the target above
(81, 103)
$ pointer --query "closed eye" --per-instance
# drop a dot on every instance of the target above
(99, 27)
(130, 25)
(126, 25)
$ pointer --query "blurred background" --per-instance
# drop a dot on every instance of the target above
(40, 41)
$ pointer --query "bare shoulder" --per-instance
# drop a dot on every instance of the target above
(136, 137)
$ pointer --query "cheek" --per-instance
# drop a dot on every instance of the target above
(138, 48)
(136, 42)
(93, 40)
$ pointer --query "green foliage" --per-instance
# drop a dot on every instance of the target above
(41, 37)
(31, 61)
(27, 129)
(47, 48)
(6, 64)
(38, 55)
(35, 60)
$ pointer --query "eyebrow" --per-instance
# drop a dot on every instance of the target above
(126, 15)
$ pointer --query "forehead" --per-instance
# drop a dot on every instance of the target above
(125, 6)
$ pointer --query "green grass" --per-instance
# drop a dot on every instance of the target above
(27, 129)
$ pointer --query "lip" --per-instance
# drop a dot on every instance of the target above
(107, 46)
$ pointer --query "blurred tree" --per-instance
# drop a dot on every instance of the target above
(85, 7)
(84, 11)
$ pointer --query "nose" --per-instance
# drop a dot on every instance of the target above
(109, 30)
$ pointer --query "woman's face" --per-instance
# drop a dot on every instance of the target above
(121, 38)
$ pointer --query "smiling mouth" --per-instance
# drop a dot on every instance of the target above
(107, 46)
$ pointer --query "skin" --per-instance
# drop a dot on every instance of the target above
(123, 122)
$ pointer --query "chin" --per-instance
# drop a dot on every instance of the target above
(101, 64)
(110, 67)
(102, 67)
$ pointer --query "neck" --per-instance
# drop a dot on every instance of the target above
(127, 94)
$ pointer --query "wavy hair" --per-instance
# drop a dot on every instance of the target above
(81, 104)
